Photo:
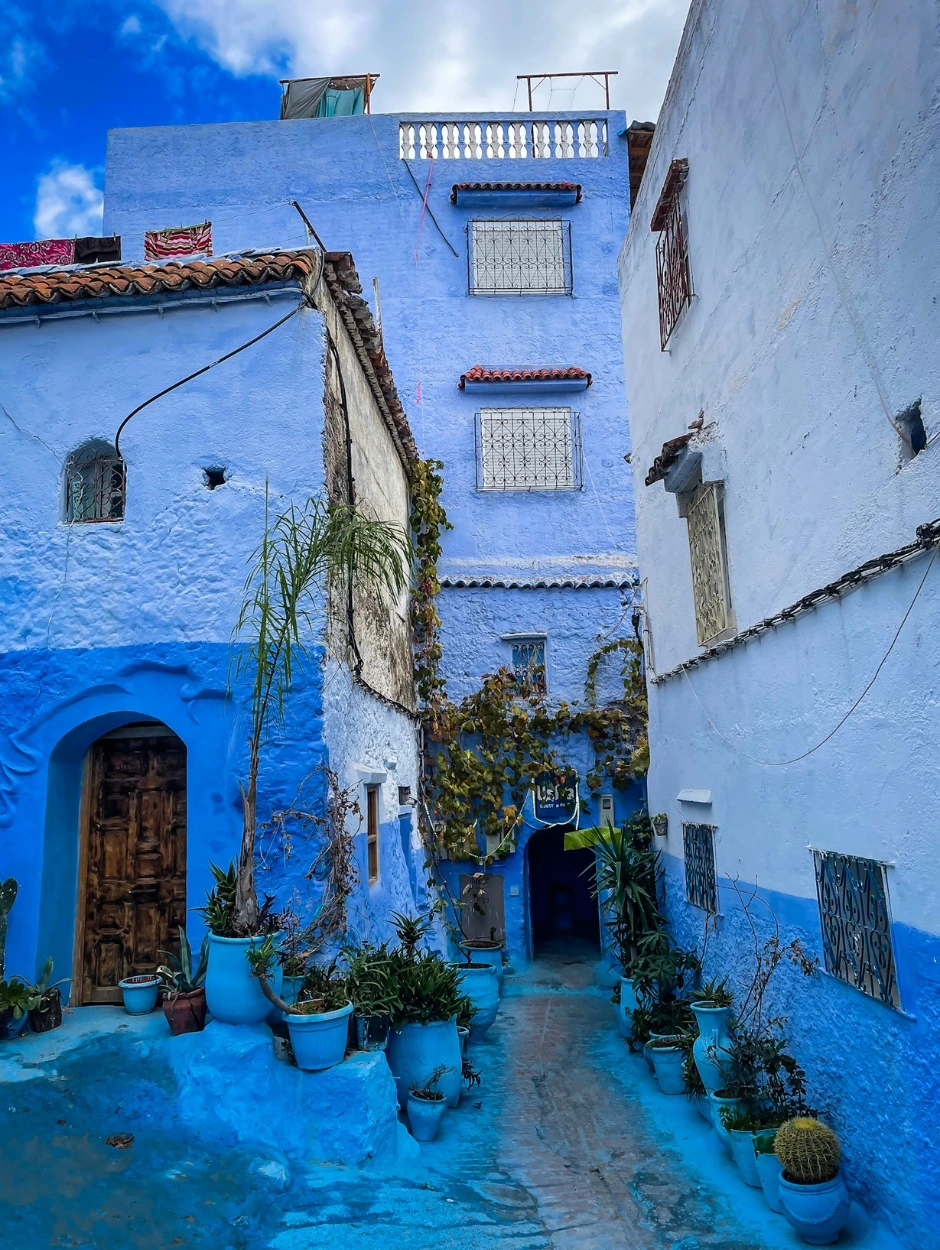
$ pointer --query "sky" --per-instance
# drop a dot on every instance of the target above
(72, 69)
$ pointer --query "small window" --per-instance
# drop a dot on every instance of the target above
(528, 664)
(404, 796)
(698, 844)
(528, 449)
(520, 257)
(94, 484)
(372, 832)
(708, 552)
(856, 924)
(673, 274)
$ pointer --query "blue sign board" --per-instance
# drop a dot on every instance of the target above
(555, 797)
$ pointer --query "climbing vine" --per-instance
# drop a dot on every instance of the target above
(484, 753)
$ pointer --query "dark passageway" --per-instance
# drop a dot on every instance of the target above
(560, 884)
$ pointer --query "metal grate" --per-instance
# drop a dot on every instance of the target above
(528, 449)
(510, 140)
(856, 924)
(709, 575)
(528, 664)
(94, 486)
(673, 276)
(698, 843)
(520, 257)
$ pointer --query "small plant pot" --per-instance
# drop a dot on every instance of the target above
(647, 1049)
(48, 1015)
(372, 1032)
(817, 1212)
(424, 1116)
(10, 1027)
(667, 1064)
(186, 1013)
(319, 1040)
(769, 1169)
(742, 1151)
(721, 1132)
(140, 994)
(478, 982)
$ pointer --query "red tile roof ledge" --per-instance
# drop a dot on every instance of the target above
(556, 188)
(501, 377)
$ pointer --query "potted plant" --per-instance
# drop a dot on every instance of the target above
(667, 1056)
(812, 1191)
(424, 1023)
(477, 981)
(371, 988)
(184, 994)
(711, 1006)
(318, 1022)
(140, 993)
(301, 552)
(425, 1106)
(722, 1100)
(768, 1167)
(486, 951)
(742, 1128)
(47, 1012)
(15, 1002)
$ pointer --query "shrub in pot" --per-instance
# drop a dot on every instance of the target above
(15, 999)
(372, 990)
(184, 994)
(711, 1007)
(812, 1191)
(233, 994)
(667, 1056)
(720, 1100)
(768, 1167)
(425, 1106)
(318, 1022)
(742, 1128)
(45, 1013)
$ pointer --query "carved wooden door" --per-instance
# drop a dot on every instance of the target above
(135, 884)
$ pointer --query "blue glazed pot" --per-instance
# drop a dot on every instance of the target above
(647, 1052)
(742, 1151)
(415, 1050)
(626, 1007)
(769, 1169)
(710, 1050)
(234, 996)
(720, 1131)
(667, 1064)
(318, 1040)
(478, 982)
(486, 955)
(817, 1212)
(424, 1116)
(10, 1027)
(140, 994)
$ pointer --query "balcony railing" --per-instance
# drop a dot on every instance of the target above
(509, 140)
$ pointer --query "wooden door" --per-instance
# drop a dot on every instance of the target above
(135, 855)
(484, 915)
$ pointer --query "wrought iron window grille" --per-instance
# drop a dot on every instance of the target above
(528, 449)
(698, 844)
(711, 590)
(673, 273)
(95, 485)
(528, 665)
(855, 920)
(519, 256)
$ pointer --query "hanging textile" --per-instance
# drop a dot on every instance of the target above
(302, 97)
(39, 252)
(91, 250)
(323, 97)
(341, 103)
(179, 241)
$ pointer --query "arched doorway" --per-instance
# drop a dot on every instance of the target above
(561, 908)
(132, 864)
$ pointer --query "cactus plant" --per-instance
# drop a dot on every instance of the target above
(809, 1151)
(8, 890)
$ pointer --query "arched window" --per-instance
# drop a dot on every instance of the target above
(94, 483)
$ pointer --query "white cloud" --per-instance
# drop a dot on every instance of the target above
(67, 203)
(21, 59)
(131, 25)
(447, 55)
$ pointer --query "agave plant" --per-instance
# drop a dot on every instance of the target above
(177, 975)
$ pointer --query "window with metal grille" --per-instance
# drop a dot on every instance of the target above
(711, 590)
(528, 449)
(94, 484)
(372, 832)
(698, 844)
(856, 924)
(528, 663)
(520, 257)
(673, 275)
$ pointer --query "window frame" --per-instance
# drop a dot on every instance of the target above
(697, 499)
(373, 862)
(479, 225)
(529, 638)
(486, 418)
(101, 459)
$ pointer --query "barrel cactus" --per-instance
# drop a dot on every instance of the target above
(809, 1151)
(7, 899)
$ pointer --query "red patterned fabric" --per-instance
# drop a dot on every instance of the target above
(180, 241)
(40, 252)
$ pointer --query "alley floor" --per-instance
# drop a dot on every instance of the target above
(566, 1145)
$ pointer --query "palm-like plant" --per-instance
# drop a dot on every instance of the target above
(303, 551)
(626, 871)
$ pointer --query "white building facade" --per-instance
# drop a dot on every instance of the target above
(781, 322)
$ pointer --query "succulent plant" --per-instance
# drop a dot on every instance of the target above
(809, 1151)
(8, 890)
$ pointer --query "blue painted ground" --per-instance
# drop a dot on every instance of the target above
(567, 1145)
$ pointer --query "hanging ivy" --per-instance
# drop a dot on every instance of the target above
(484, 753)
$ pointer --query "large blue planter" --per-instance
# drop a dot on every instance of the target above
(415, 1050)
(140, 994)
(667, 1064)
(487, 955)
(769, 1169)
(710, 1050)
(817, 1212)
(318, 1040)
(424, 1116)
(720, 1131)
(478, 982)
(742, 1151)
(233, 995)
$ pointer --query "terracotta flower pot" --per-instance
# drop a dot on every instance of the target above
(186, 1013)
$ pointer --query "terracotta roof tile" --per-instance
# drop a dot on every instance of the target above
(515, 186)
(479, 374)
(667, 458)
(62, 286)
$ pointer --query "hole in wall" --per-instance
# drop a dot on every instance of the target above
(214, 478)
(910, 424)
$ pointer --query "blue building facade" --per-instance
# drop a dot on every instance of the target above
(492, 241)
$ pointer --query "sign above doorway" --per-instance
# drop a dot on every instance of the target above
(555, 798)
